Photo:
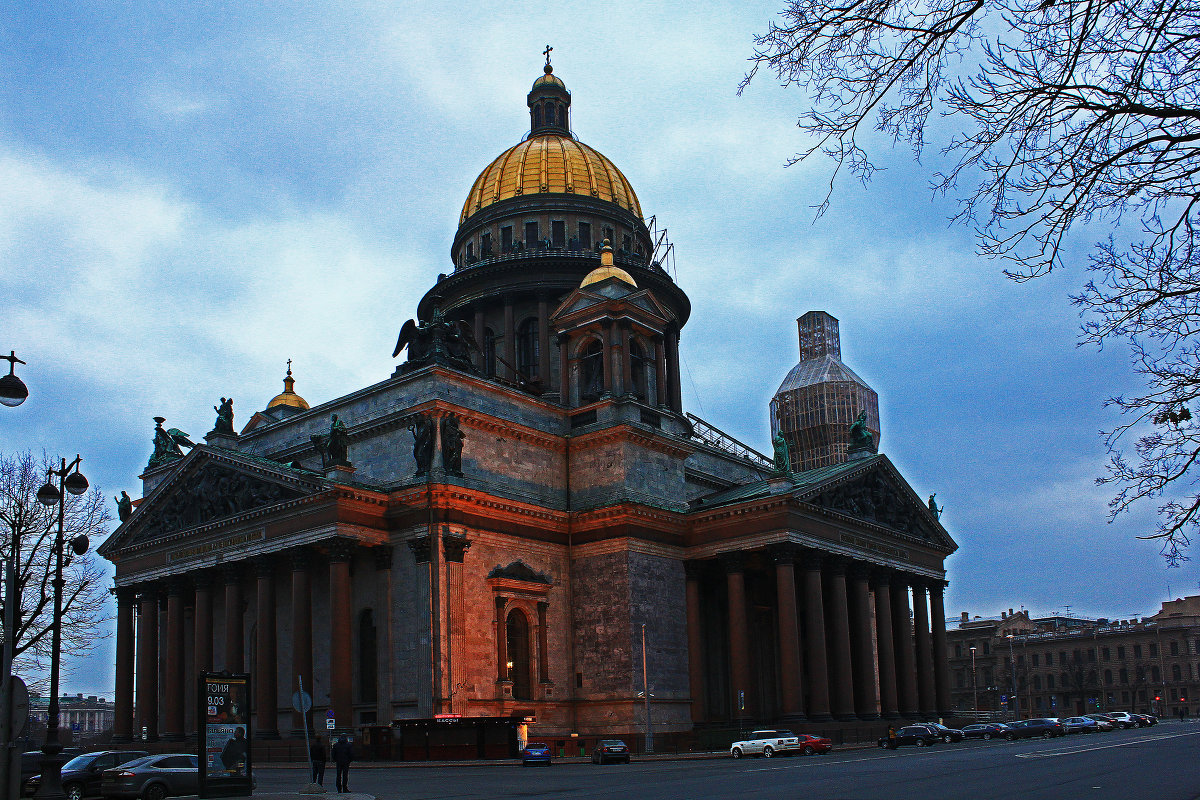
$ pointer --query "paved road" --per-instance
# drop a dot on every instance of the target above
(1159, 763)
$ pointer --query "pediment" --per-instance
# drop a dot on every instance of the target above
(583, 299)
(206, 490)
(880, 496)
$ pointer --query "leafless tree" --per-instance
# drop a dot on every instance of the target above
(36, 525)
(1068, 113)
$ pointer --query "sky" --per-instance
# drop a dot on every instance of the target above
(193, 193)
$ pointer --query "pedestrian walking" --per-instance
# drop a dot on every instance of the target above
(317, 756)
(343, 754)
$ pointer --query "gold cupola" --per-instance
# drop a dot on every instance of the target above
(288, 397)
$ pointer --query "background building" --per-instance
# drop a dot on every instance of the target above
(1062, 666)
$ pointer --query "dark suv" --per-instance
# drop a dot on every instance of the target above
(1045, 727)
(81, 775)
(947, 735)
(919, 735)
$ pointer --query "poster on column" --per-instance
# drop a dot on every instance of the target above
(225, 759)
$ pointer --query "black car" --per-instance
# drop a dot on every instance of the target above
(1147, 719)
(947, 735)
(81, 775)
(610, 750)
(1045, 727)
(985, 730)
(920, 735)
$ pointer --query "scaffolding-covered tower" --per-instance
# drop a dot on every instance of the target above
(819, 399)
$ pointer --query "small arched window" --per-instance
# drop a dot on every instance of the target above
(591, 371)
(517, 633)
(528, 348)
(637, 370)
(537, 116)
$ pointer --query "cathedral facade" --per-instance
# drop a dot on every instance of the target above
(522, 521)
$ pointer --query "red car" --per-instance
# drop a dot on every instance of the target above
(810, 744)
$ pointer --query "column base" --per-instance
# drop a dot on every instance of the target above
(868, 717)
(820, 718)
(121, 738)
(260, 734)
(174, 737)
(890, 715)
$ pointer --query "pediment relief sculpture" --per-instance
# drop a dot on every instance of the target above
(210, 493)
(876, 499)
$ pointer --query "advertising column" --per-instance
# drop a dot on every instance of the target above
(225, 762)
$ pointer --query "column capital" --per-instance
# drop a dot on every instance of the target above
(301, 559)
(420, 549)
(919, 586)
(232, 573)
(455, 547)
(837, 565)
(881, 577)
(341, 550)
(148, 591)
(383, 557)
(860, 571)
(733, 561)
(811, 560)
(176, 585)
(201, 579)
(694, 570)
(264, 566)
(125, 594)
(784, 553)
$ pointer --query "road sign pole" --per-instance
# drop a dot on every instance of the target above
(304, 716)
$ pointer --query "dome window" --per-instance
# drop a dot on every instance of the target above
(528, 351)
(485, 245)
(531, 235)
(585, 236)
(591, 372)
(558, 234)
(506, 240)
(489, 352)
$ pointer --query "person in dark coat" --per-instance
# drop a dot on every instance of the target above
(317, 756)
(343, 754)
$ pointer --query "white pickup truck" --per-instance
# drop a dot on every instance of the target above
(766, 744)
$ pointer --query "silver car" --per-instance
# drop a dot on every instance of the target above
(153, 777)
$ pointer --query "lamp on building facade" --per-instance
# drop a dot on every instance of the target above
(13, 390)
(69, 480)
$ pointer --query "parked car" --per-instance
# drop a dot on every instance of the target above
(536, 753)
(610, 750)
(810, 744)
(1039, 726)
(984, 730)
(153, 777)
(1147, 719)
(1126, 719)
(81, 775)
(1080, 725)
(947, 735)
(766, 743)
(1103, 721)
(919, 735)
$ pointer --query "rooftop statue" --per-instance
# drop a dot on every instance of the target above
(167, 444)
(860, 435)
(783, 460)
(224, 423)
(334, 446)
(124, 506)
(933, 507)
(452, 444)
(438, 341)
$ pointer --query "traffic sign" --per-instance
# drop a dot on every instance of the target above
(329, 724)
(302, 701)
(329, 714)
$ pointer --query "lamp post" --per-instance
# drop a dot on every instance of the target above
(974, 686)
(646, 692)
(69, 480)
(13, 390)
(1012, 678)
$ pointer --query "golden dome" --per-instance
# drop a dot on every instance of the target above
(550, 163)
(288, 397)
(604, 273)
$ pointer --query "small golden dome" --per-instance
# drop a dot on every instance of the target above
(550, 163)
(549, 79)
(288, 396)
(604, 273)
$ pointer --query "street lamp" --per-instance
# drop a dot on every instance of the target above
(1012, 678)
(69, 480)
(13, 390)
(974, 686)
(646, 692)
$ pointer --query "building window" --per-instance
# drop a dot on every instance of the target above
(489, 352)
(1153, 650)
(558, 234)
(1037, 683)
(1062, 657)
(1049, 681)
(485, 245)
(1091, 654)
(1049, 659)
(506, 242)
(626, 243)
(367, 657)
(959, 679)
(641, 370)
(1155, 675)
(958, 650)
(528, 348)
(1105, 653)
(585, 235)
(608, 234)
(1121, 652)
(987, 648)
(517, 630)
(1176, 673)
(591, 371)
(470, 252)
(1108, 677)
(531, 235)
(1033, 659)
(1174, 647)
(1137, 651)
